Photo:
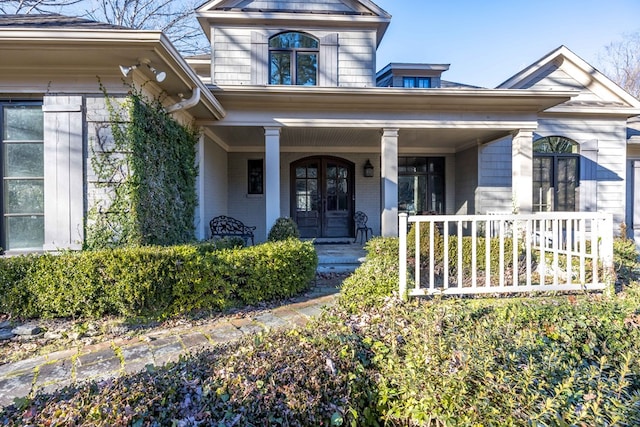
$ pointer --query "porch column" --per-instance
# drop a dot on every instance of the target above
(522, 171)
(389, 182)
(636, 202)
(272, 175)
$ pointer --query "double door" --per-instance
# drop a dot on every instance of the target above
(323, 196)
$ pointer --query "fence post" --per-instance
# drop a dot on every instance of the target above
(606, 251)
(402, 253)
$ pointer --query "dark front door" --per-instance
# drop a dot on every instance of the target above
(322, 196)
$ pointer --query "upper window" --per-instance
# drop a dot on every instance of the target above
(293, 59)
(23, 176)
(417, 82)
(555, 174)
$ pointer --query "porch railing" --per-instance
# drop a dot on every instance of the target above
(504, 253)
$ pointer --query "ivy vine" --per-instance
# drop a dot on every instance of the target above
(146, 175)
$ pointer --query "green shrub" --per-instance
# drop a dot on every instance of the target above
(229, 242)
(375, 280)
(283, 229)
(158, 281)
(467, 250)
(625, 259)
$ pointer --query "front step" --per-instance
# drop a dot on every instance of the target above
(339, 258)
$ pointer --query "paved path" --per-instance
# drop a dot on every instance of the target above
(123, 356)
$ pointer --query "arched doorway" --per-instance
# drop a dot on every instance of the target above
(322, 196)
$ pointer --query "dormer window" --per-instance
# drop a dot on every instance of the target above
(416, 82)
(293, 59)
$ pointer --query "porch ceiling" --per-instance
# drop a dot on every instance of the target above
(251, 139)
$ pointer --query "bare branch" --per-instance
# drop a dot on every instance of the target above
(621, 62)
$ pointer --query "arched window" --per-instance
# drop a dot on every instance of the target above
(555, 174)
(293, 59)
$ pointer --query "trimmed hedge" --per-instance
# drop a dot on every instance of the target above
(153, 280)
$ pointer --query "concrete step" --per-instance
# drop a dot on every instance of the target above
(339, 258)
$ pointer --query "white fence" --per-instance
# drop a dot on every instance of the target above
(558, 251)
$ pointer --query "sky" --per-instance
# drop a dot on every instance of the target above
(486, 42)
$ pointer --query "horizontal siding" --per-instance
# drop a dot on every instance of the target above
(556, 79)
(612, 150)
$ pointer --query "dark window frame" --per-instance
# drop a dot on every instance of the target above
(255, 176)
(3, 214)
(416, 81)
(294, 53)
(431, 176)
(556, 157)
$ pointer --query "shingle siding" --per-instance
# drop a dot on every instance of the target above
(236, 60)
(494, 192)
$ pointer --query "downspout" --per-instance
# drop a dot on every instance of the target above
(186, 103)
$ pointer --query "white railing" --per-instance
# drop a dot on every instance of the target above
(558, 251)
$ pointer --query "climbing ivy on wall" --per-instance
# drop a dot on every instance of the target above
(145, 176)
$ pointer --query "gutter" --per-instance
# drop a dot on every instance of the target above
(185, 104)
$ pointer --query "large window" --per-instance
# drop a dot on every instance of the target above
(555, 174)
(416, 82)
(293, 59)
(421, 185)
(23, 176)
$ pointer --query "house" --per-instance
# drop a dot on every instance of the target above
(296, 121)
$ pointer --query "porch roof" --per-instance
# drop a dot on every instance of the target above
(350, 119)
(70, 58)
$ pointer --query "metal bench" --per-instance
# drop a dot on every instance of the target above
(226, 226)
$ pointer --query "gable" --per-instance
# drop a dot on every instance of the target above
(299, 14)
(341, 7)
(563, 70)
(555, 77)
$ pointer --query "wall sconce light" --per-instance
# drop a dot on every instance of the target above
(368, 169)
(160, 75)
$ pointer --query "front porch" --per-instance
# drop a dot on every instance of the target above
(283, 130)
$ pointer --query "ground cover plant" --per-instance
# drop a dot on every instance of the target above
(553, 360)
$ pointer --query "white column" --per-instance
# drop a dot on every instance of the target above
(522, 171)
(389, 182)
(636, 202)
(272, 175)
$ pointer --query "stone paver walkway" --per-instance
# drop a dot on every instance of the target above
(49, 372)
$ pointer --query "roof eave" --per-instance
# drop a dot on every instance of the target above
(142, 41)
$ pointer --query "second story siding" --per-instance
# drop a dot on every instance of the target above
(240, 56)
